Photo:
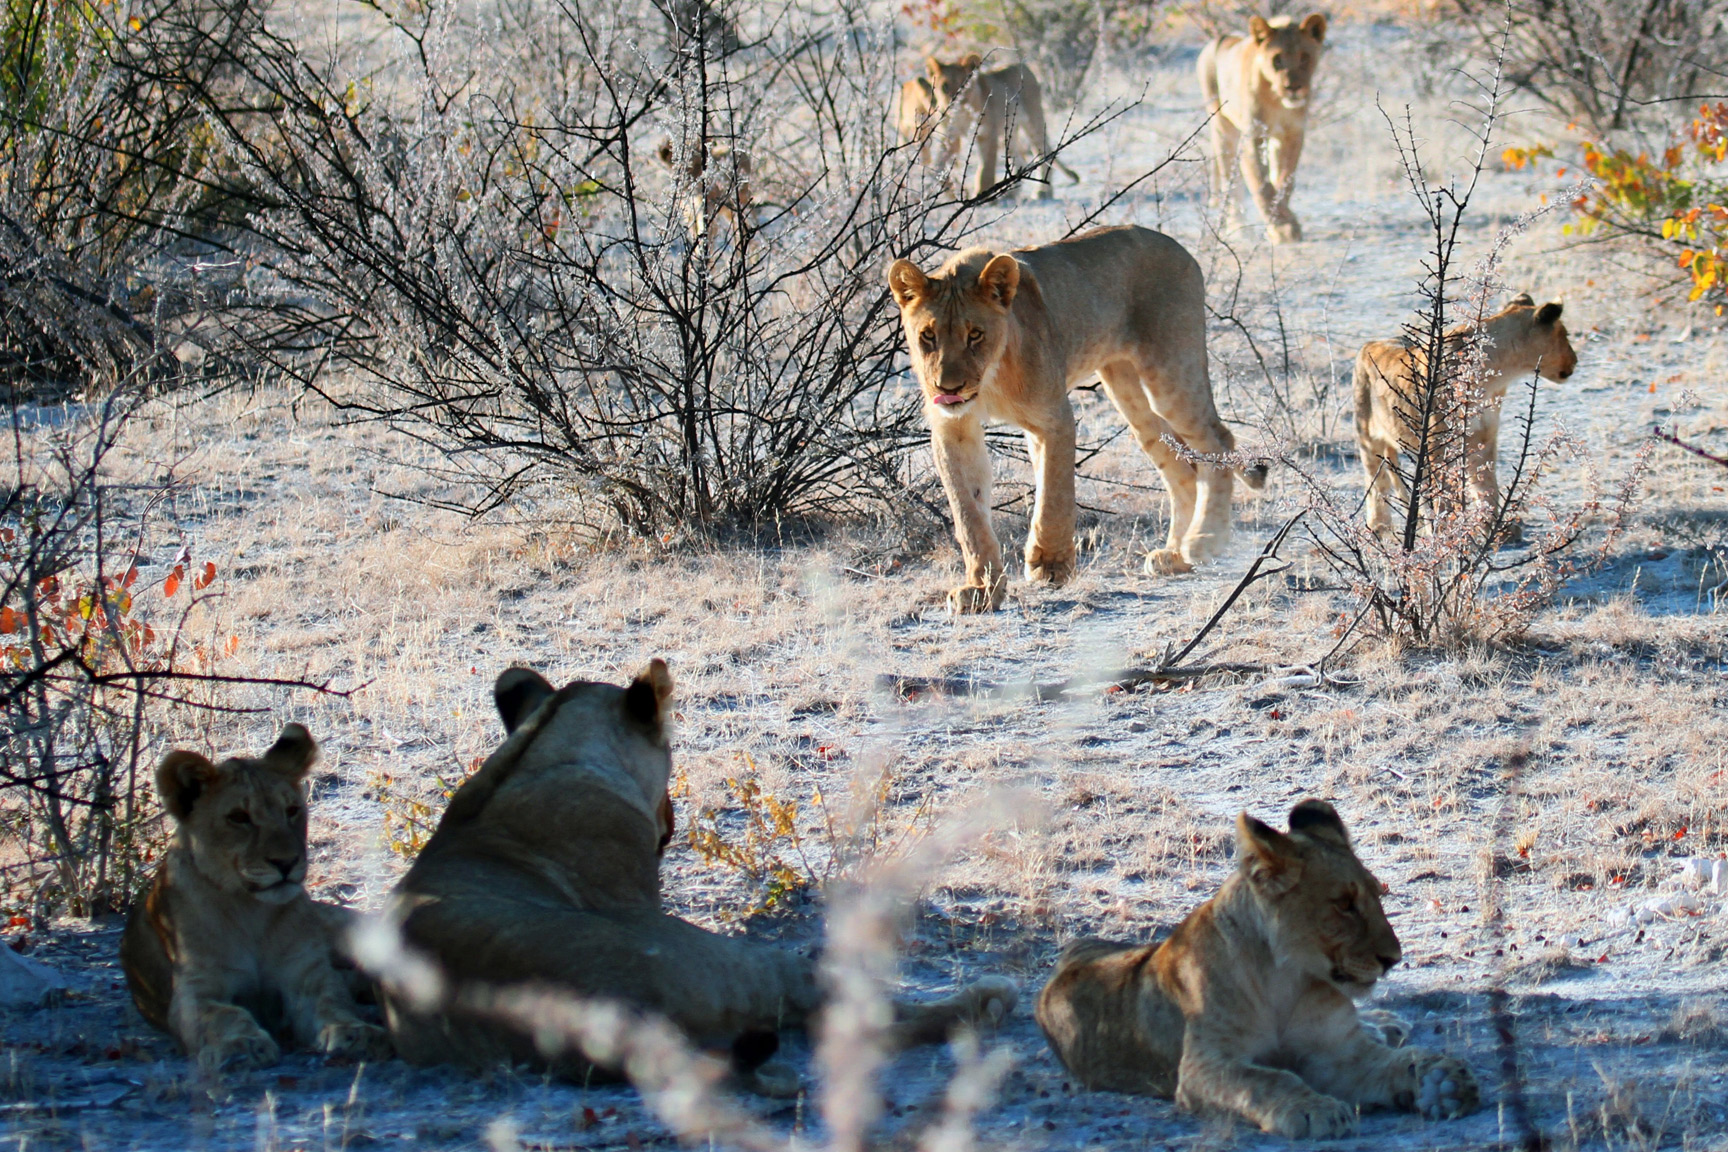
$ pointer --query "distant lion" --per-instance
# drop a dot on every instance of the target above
(1247, 1008)
(716, 181)
(544, 872)
(1519, 340)
(996, 104)
(1003, 336)
(226, 951)
(1260, 87)
(915, 115)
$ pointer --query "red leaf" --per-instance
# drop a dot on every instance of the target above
(9, 621)
(17, 921)
(206, 578)
(127, 580)
(172, 584)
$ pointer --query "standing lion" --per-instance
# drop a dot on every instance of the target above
(1259, 88)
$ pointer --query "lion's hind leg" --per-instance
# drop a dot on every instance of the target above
(1122, 384)
(1107, 1021)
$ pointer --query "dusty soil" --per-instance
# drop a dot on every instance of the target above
(1511, 798)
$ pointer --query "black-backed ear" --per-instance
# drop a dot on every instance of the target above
(293, 753)
(971, 61)
(1273, 865)
(907, 283)
(1000, 280)
(1314, 24)
(181, 778)
(1319, 819)
(1523, 299)
(1259, 29)
(517, 693)
(666, 154)
(646, 699)
(1549, 312)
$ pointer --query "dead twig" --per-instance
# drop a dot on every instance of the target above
(1675, 440)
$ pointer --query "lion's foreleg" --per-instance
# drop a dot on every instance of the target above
(217, 1034)
(321, 1009)
(1352, 1065)
(963, 463)
(1252, 155)
(1050, 540)
(1211, 1079)
(1287, 153)
(991, 122)
(1226, 140)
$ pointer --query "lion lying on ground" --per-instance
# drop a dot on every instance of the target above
(1516, 342)
(995, 105)
(1003, 336)
(226, 951)
(544, 872)
(1247, 1008)
(1259, 88)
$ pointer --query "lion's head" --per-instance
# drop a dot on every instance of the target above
(244, 820)
(956, 322)
(1527, 338)
(1286, 54)
(949, 80)
(1322, 906)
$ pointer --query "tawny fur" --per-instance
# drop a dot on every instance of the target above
(1006, 335)
(915, 115)
(1520, 341)
(996, 105)
(1247, 1008)
(716, 179)
(544, 872)
(1260, 87)
(226, 951)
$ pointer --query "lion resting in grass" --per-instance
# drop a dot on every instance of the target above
(226, 951)
(995, 105)
(544, 872)
(1259, 87)
(1520, 340)
(1246, 1009)
(1003, 336)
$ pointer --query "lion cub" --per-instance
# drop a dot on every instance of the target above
(1003, 336)
(1247, 1008)
(995, 104)
(226, 951)
(1259, 87)
(1517, 341)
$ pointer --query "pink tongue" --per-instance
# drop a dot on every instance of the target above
(945, 398)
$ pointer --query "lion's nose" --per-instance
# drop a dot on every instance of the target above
(1386, 963)
(284, 866)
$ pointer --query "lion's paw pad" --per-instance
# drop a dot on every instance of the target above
(1448, 1090)
(1317, 1118)
(969, 599)
(1166, 562)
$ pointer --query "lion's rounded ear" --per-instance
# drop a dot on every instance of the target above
(1523, 299)
(1000, 280)
(646, 699)
(517, 693)
(293, 753)
(1259, 29)
(971, 61)
(181, 778)
(1314, 24)
(1267, 856)
(1549, 312)
(933, 68)
(1319, 819)
(907, 284)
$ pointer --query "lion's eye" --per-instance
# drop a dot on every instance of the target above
(1347, 904)
(927, 338)
(293, 812)
(1277, 59)
(976, 336)
(240, 816)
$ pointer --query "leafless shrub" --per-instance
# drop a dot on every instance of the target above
(506, 269)
(1439, 576)
(109, 165)
(1605, 61)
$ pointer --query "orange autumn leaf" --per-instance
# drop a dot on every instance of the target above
(206, 577)
(172, 584)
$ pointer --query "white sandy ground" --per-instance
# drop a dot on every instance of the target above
(1619, 696)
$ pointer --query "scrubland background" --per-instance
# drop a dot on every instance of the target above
(1512, 792)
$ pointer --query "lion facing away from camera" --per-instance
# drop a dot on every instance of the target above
(1004, 336)
(1518, 341)
(1259, 87)
(997, 105)
(226, 951)
(544, 875)
(1247, 1008)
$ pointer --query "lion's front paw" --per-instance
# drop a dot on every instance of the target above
(1285, 231)
(1052, 570)
(990, 999)
(1446, 1089)
(239, 1051)
(1388, 1028)
(971, 598)
(354, 1039)
(1314, 1117)
(1166, 562)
